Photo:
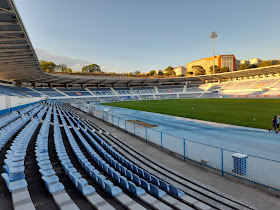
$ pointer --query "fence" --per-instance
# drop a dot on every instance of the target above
(252, 168)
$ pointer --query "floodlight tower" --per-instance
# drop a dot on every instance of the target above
(213, 35)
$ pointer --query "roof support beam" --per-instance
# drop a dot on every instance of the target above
(20, 62)
(13, 45)
(6, 10)
(15, 50)
(11, 39)
(18, 65)
(15, 54)
(7, 23)
(15, 58)
(11, 32)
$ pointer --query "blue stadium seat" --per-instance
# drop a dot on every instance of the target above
(111, 189)
(147, 176)
(154, 190)
(175, 191)
(14, 185)
(145, 185)
(49, 172)
(163, 185)
(136, 179)
(154, 180)
(129, 175)
(123, 182)
(137, 191)
(53, 187)
(85, 188)
(101, 179)
(116, 176)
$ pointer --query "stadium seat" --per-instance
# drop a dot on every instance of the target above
(154, 180)
(137, 191)
(163, 185)
(111, 189)
(123, 182)
(14, 185)
(145, 185)
(154, 190)
(175, 191)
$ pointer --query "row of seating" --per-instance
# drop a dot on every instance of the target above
(96, 175)
(43, 160)
(131, 177)
(141, 178)
(9, 130)
(108, 185)
(8, 118)
(126, 177)
(81, 183)
(126, 183)
(28, 109)
(14, 175)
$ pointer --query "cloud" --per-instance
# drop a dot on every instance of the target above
(74, 64)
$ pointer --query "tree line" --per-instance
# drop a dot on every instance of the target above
(262, 64)
(51, 67)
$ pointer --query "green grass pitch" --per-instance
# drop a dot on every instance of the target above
(256, 113)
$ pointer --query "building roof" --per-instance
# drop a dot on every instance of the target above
(18, 60)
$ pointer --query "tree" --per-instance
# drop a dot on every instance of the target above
(278, 63)
(244, 66)
(48, 66)
(69, 70)
(265, 63)
(169, 71)
(224, 69)
(129, 74)
(61, 67)
(217, 69)
(198, 70)
(91, 68)
(152, 73)
(160, 73)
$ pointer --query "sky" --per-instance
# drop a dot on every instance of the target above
(130, 35)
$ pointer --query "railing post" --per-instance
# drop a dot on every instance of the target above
(134, 129)
(146, 134)
(185, 149)
(103, 116)
(125, 125)
(112, 120)
(118, 122)
(161, 139)
(222, 161)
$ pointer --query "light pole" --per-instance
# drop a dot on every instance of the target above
(213, 35)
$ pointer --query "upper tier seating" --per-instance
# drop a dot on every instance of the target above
(75, 91)
(50, 92)
(144, 90)
(101, 91)
(123, 91)
(171, 89)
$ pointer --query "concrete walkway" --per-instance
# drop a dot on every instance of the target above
(248, 194)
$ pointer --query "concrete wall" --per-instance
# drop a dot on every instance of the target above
(7, 102)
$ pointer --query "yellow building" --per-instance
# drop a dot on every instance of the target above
(220, 60)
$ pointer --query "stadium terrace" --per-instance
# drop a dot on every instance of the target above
(61, 150)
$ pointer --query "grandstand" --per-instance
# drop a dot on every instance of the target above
(52, 155)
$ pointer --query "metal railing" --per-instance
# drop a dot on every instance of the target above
(252, 168)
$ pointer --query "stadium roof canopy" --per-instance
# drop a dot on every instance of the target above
(18, 60)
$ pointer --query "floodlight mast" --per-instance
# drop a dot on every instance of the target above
(213, 35)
